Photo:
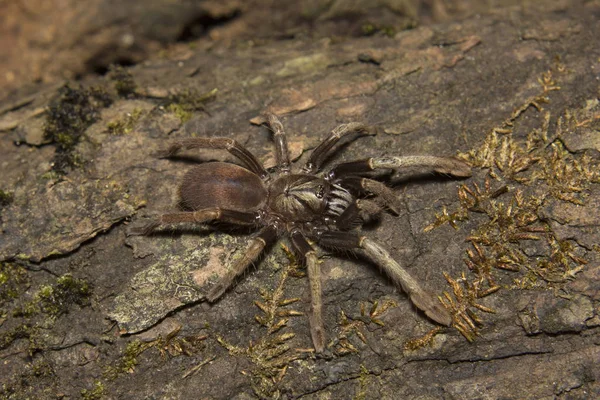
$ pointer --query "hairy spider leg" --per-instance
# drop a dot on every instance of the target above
(384, 196)
(420, 297)
(358, 213)
(282, 155)
(442, 165)
(198, 217)
(315, 316)
(326, 147)
(265, 237)
(231, 145)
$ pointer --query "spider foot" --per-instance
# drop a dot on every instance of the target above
(144, 228)
(454, 167)
(433, 308)
(167, 152)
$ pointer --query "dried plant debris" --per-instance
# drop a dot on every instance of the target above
(423, 341)
(464, 298)
(169, 346)
(271, 354)
(525, 171)
(274, 316)
(354, 326)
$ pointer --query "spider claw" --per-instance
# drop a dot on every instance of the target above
(434, 309)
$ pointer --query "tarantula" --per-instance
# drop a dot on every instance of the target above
(306, 207)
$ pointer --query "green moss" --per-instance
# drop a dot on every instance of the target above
(363, 381)
(93, 394)
(67, 118)
(122, 80)
(125, 125)
(5, 198)
(51, 175)
(128, 360)
(180, 112)
(57, 299)
(369, 29)
(355, 326)
(185, 103)
(13, 281)
(41, 368)
(36, 380)
(18, 332)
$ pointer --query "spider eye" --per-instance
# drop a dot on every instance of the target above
(320, 191)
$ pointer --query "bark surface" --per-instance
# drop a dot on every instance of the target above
(513, 251)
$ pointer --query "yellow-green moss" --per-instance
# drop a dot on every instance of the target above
(185, 103)
(512, 206)
(123, 126)
(94, 394)
(5, 198)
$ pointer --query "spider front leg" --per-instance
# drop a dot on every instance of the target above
(254, 249)
(324, 150)
(442, 165)
(282, 155)
(420, 297)
(315, 316)
(198, 217)
(384, 196)
(231, 145)
(358, 213)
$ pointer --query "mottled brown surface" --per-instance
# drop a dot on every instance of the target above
(487, 86)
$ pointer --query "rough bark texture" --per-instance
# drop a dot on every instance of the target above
(513, 251)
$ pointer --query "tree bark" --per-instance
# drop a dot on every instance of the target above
(513, 251)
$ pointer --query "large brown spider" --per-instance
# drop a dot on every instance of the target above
(302, 205)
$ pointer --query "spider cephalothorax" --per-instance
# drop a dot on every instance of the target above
(302, 205)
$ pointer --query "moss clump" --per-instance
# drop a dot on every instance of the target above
(56, 299)
(5, 198)
(184, 104)
(93, 394)
(39, 314)
(13, 281)
(128, 361)
(369, 29)
(122, 80)
(124, 125)
(24, 331)
(67, 118)
(180, 112)
(35, 380)
(526, 165)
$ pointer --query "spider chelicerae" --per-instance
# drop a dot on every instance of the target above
(307, 206)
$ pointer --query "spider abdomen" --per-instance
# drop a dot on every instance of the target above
(220, 184)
